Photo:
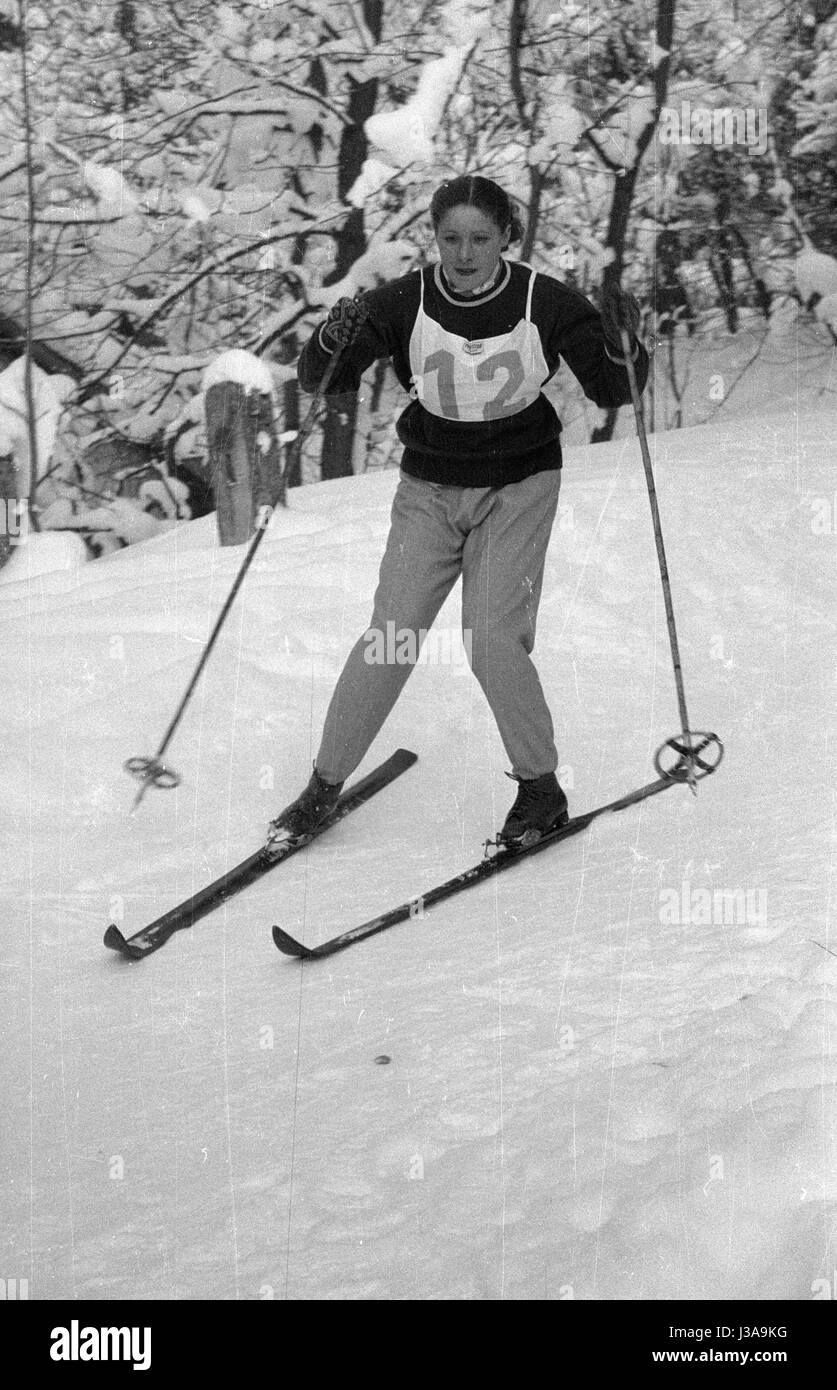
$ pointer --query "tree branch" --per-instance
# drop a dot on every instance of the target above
(28, 385)
(217, 263)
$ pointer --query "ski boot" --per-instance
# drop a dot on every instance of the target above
(540, 806)
(305, 815)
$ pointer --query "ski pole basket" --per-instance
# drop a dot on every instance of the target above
(696, 755)
(152, 773)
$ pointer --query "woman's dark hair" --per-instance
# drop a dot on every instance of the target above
(472, 190)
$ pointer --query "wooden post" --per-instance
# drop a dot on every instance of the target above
(8, 504)
(245, 468)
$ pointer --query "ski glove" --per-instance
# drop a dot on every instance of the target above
(619, 310)
(343, 322)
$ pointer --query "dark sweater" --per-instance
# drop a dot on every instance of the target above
(483, 453)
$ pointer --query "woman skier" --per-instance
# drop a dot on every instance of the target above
(473, 339)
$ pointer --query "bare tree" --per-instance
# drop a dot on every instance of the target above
(351, 242)
(625, 179)
(517, 30)
(28, 387)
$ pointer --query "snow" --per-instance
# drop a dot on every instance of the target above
(245, 368)
(194, 207)
(374, 176)
(232, 25)
(816, 273)
(784, 315)
(592, 1093)
(382, 260)
(263, 51)
(826, 310)
(170, 496)
(112, 193)
(406, 136)
(465, 22)
(49, 394)
(172, 103)
(123, 517)
(564, 124)
(144, 426)
(44, 553)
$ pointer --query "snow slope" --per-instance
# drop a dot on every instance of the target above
(587, 1096)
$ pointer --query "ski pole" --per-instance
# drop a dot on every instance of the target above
(152, 771)
(661, 555)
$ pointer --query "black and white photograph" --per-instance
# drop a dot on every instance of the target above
(418, 662)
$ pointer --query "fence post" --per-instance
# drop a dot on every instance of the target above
(245, 467)
(9, 490)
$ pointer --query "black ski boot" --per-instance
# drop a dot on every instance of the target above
(540, 806)
(306, 814)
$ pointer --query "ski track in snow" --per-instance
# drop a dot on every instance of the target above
(585, 1097)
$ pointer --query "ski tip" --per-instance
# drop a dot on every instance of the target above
(114, 938)
(117, 942)
(288, 946)
(404, 757)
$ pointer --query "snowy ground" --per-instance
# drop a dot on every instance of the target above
(587, 1096)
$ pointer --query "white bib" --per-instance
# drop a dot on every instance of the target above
(483, 379)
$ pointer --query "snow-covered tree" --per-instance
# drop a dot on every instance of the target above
(210, 177)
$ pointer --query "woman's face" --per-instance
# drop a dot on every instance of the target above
(469, 245)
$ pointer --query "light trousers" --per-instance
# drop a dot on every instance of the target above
(496, 538)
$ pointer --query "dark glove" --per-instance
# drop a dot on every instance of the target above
(619, 310)
(343, 322)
